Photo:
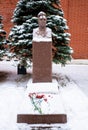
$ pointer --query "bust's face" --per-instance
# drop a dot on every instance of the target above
(42, 21)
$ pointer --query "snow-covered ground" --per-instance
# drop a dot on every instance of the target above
(73, 86)
(78, 72)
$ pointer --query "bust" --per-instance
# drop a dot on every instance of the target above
(42, 33)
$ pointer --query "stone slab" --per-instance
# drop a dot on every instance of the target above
(42, 61)
(41, 119)
(54, 113)
(51, 92)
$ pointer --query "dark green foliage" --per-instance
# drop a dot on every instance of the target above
(25, 20)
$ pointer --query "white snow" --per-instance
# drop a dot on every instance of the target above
(73, 78)
(42, 87)
(41, 39)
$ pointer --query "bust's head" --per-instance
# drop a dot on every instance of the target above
(42, 19)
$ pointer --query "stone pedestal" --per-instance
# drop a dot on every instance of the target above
(54, 114)
(41, 119)
(42, 61)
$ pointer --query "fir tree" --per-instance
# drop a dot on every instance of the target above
(2, 39)
(25, 20)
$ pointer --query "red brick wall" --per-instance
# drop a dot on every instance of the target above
(6, 10)
(64, 5)
(76, 13)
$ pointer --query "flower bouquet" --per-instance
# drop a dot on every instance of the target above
(39, 101)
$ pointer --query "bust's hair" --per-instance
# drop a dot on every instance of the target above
(41, 13)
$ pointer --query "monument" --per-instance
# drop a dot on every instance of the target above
(42, 90)
(42, 51)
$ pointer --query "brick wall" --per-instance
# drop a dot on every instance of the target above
(6, 10)
(76, 13)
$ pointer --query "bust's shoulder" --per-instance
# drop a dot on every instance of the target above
(48, 29)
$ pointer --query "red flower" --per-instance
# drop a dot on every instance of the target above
(39, 96)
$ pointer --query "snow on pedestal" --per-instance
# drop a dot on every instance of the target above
(42, 100)
(44, 87)
(50, 91)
